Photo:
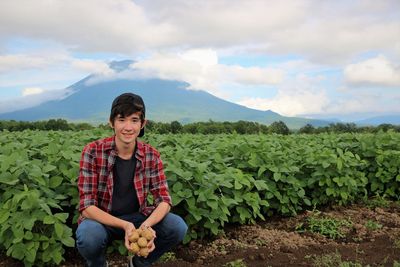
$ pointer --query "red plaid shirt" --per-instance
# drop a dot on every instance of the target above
(95, 181)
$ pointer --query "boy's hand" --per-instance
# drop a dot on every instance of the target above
(150, 244)
(128, 228)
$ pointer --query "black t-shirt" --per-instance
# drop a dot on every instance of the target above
(124, 198)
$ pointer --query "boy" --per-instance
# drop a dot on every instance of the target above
(116, 175)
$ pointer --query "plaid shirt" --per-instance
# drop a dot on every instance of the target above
(95, 181)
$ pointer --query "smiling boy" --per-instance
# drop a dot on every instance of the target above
(116, 175)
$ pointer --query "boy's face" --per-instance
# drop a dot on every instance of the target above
(127, 128)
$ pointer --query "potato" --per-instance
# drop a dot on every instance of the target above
(147, 234)
(134, 236)
(139, 239)
(144, 252)
(142, 242)
(135, 247)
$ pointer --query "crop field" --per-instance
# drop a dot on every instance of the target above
(248, 199)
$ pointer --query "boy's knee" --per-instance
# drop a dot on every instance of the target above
(182, 229)
(91, 237)
(176, 226)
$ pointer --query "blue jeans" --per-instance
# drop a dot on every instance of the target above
(93, 237)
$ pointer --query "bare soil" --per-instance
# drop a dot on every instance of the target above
(371, 237)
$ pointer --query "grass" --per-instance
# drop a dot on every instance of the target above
(168, 256)
(373, 225)
(377, 202)
(329, 227)
(396, 243)
(333, 260)
(236, 263)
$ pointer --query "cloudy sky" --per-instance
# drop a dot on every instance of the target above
(318, 59)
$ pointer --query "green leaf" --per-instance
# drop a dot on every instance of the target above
(277, 176)
(325, 164)
(18, 251)
(57, 257)
(59, 229)
(301, 193)
(261, 171)
(46, 208)
(261, 185)
(55, 181)
(49, 219)
(68, 241)
(45, 245)
(7, 178)
(307, 202)
(29, 223)
(339, 164)
(4, 215)
(61, 216)
(213, 204)
(243, 213)
(330, 191)
(238, 185)
(28, 235)
(177, 187)
(48, 168)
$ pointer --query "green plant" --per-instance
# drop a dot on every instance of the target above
(376, 202)
(396, 243)
(168, 256)
(213, 180)
(236, 263)
(332, 260)
(372, 225)
(329, 227)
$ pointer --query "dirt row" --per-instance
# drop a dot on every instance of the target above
(358, 235)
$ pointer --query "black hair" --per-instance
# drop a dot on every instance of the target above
(125, 105)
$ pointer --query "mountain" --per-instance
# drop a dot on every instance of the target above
(165, 101)
(374, 121)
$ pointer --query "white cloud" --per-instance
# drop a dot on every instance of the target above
(294, 98)
(31, 100)
(107, 25)
(293, 103)
(181, 40)
(253, 75)
(324, 31)
(199, 68)
(32, 91)
(204, 57)
(21, 62)
(92, 66)
(375, 71)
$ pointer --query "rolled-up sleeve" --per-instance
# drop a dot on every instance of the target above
(87, 179)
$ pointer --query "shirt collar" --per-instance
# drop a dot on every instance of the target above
(139, 150)
(110, 145)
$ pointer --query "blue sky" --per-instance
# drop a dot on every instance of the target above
(317, 59)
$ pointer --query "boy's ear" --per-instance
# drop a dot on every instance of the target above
(143, 124)
(111, 124)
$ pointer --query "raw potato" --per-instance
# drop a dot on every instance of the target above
(134, 236)
(142, 242)
(139, 240)
(144, 252)
(147, 234)
(135, 248)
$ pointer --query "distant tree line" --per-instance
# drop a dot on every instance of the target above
(348, 128)
(52, 124)
(209, 127)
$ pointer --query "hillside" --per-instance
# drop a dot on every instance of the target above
(165, 101)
